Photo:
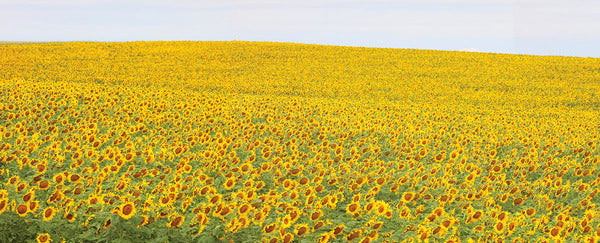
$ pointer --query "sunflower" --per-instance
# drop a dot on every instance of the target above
(42, 238)
(58, 178)
(381, 208)
(258, 217)
(377, 225)
(314, 216)
(232, 226)
(129, 156)
(202, 218)
(145, 221)
(266, 155)
(244, 209)
(407, 196)
(41, 168)
(265, 166)
(252, 157)
(74, 178)
(107, 224)
(301, 229)
(511, 227)
(225, 210)
(499, 227)
(446, 223)
(517, 201)
(479, 228)
(22, 210)
(369, 206)
(215, 199)
(338, 230)
(502, 216)
(270, 228)
(44, 185)
(477, 215)
(318, 225)
(294, 214)
(176, 221)
(287, 185)
(287, 238)
(439, 211)
(353, 235)
(229, 184)
(259, 185)
(33, 205)
(555, 233)
(286, 222)
(471, 177)
(309, 198)
(439, 157)
(178, 150)
(204, 190)
(127, 210)
(294, 195)
(395, 188)
(70, 217)
(324, 237)
(352, 208)
(3, 205)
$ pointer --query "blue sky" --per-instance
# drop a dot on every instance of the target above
(541, 27)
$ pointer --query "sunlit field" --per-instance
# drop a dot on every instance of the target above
(280, 142)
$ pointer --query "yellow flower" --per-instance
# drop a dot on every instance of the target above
(286, 222)
(70, 217)
(338, 230)
(555, 233)
(287, 238)
(477, 215)
(314, 216)
(324, 237)
(229, 184)
(127, 210)
(42, 238)
(49, 213)
(499, 227)
(407, 196)
(145, 221)
(3, 205)
(176, 221)
(270, 228)
(353, 208)
(22, 210)
(301, 229)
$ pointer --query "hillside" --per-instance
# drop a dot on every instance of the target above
(251, 141)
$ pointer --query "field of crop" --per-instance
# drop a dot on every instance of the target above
(280, 142)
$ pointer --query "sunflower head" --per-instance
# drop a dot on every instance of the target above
(229, 183)
(22, 210)
(3, 205)
(499, 227)
(126, 210)
(270, 228)
(42, 238)
(176, 221)
(301, 229)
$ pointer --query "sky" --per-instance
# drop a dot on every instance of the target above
(539, 27)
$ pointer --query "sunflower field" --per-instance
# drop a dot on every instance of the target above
(279, 142)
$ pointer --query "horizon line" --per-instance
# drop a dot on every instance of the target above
(12, 42)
